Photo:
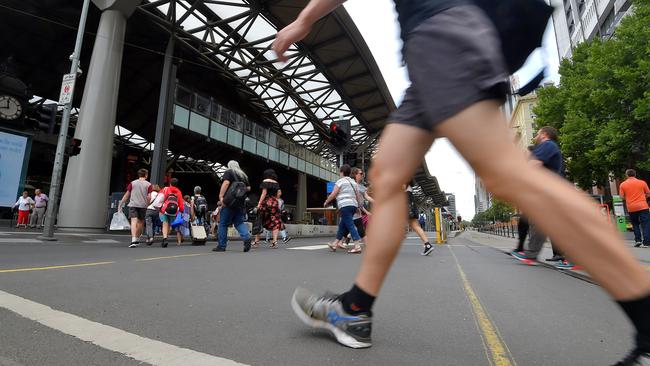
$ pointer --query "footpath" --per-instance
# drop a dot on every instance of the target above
(506, 245)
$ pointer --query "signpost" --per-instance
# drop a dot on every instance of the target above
(67, 88)
(67, 92)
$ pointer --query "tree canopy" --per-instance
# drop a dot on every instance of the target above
(602, 106)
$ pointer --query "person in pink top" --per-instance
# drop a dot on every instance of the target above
(636, 193)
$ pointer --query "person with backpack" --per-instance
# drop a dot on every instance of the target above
(199, 206)
(233, 193)
(458, 57)
(171, 207)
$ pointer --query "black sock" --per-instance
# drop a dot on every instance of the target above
(357, 301)
(639, 313)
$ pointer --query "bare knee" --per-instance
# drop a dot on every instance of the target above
(385, 181)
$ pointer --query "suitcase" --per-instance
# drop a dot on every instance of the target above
(199, 237)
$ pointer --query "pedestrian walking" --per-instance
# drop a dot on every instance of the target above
(522, 232)
(268, 207)
(173, 205)
(153, 212)
(24, 205)
(414, 224)
(348, 201)
(282, 214)
(546, 153)
(361, 215)
(138, 193)
(635, 192)
(199, 206)
(214, 220)
(234, 189)
(458, 68)
(40, 206)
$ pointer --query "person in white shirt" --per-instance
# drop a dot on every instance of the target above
(348, 201)
(153, 210)
(24, 204)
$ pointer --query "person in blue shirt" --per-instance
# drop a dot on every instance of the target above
(546, 153)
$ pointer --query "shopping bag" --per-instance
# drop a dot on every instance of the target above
(178, 221)
(120, 222)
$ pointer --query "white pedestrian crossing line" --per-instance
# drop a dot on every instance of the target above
(101, 241)
(131, 345)
(310, 247)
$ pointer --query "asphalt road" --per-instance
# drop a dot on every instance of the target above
(466, 304)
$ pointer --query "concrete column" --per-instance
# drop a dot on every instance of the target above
(301, 200)
(86, 188)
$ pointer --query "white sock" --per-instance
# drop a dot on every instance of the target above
(134, 239)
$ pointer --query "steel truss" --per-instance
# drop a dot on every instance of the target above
(235, 37)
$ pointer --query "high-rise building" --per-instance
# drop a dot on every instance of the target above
(482, 198)
(451, 199)
(577, 21)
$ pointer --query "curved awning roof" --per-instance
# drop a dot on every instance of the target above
(330, 75)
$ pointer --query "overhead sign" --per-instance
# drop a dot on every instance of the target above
(67, 88)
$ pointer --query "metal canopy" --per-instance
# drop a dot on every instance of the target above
(330, 75)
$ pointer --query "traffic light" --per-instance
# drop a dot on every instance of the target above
(74, 148)
(46, 118)
(339, 136)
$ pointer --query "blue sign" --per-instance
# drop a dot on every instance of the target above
(13, 149)
(330, 187)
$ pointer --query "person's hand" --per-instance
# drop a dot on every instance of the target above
(289, 35)
(325, 204)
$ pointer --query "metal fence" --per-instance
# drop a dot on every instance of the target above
(508, 230)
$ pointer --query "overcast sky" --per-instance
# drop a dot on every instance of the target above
(376, 21)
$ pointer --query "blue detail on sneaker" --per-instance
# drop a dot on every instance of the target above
(326, 312)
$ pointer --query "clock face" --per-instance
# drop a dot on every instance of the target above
(10, 108)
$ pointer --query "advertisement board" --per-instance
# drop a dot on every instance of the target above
(13, 166)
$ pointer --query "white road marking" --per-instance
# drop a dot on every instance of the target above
(101, 241)
(20, 241)
(131, 345)
(310, 247)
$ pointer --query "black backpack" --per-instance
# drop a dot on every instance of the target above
(200, 206)
(521, 25)
(236, 194)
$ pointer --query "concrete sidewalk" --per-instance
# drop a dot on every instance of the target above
(506, 245)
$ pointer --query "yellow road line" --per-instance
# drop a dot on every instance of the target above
(53, 267)
(171, 256)
(497, 352)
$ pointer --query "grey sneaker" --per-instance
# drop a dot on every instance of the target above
(327, 312)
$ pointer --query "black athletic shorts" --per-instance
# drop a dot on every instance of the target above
(137, 213)
(454, 60)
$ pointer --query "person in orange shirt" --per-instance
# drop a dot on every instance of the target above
(636, 192)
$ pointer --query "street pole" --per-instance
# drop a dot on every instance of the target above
(55, 186)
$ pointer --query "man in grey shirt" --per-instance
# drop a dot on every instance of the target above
(40, 205)
(138, 193)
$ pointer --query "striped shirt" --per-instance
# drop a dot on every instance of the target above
(347, 193)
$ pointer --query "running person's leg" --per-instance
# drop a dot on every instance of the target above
(415, 225)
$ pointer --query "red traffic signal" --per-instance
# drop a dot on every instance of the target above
(75, 147)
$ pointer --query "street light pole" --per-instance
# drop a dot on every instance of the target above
(55, 186)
